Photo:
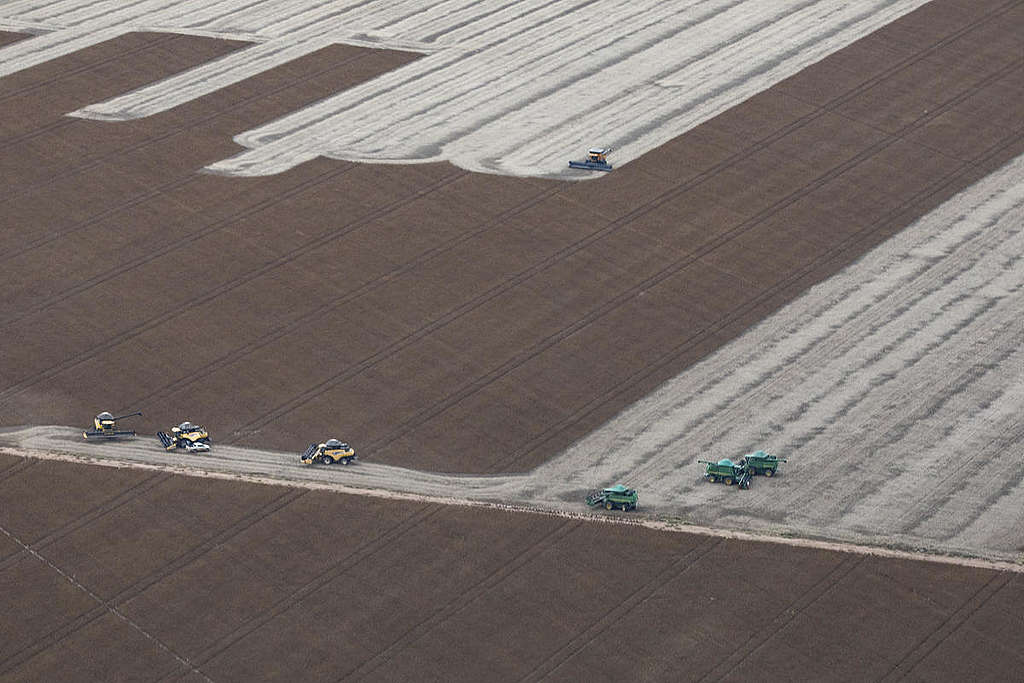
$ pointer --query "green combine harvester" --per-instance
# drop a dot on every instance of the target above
(615, 497)
(761, 462)
(727, 472)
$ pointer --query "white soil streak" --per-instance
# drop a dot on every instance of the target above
(514, 88)
(895, 390)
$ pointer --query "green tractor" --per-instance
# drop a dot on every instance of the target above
(615, 497)
(761, 462)
(727, 472)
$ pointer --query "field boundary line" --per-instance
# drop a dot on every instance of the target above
(667, 525)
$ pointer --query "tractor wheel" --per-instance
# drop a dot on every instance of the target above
(712, 478)
(328, 460)
(608, 505)
(769, 473)
(728, 481)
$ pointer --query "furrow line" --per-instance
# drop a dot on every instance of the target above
(469, 595)
(360, 553)
(120, 500)
(785, 617)
(619, 612)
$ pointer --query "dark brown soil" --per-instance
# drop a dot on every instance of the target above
(158, 575)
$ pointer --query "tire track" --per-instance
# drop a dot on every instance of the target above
(740, 400)
(197, 376)
(656, 367)
(953, 623)
(936, 391)
(121, 499)
(322, 387)
(210, 295)
(54, 638)
(620, 611)
(161, 252)
(153, 321)
(157, 190)
(868, 326)
(995, 448)
(469, 595)
(316, 390)
(5, 668)
(158, 40)
(15, 469)
(785, 617)
(363, 551)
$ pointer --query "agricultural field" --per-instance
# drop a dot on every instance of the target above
(344, 219)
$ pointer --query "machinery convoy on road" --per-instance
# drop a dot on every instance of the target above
(105, 428)
(191, 437)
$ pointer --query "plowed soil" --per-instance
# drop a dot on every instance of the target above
(451, 322)
(143, 576)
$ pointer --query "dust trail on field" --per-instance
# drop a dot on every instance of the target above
(895, 389)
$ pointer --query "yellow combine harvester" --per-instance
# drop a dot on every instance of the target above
(329, 452)
(191, 437)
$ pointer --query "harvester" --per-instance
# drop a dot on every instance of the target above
(615, 497)
(105, 428)
(761, 462)
(597, 160)
(329, 452)
(191, 437)
(727, 472)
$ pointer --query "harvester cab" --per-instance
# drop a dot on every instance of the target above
(617, 496)
(597, 160)
(105, 427)
(188, 436)
(329, 452)
(727, 472)
(762, 462)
